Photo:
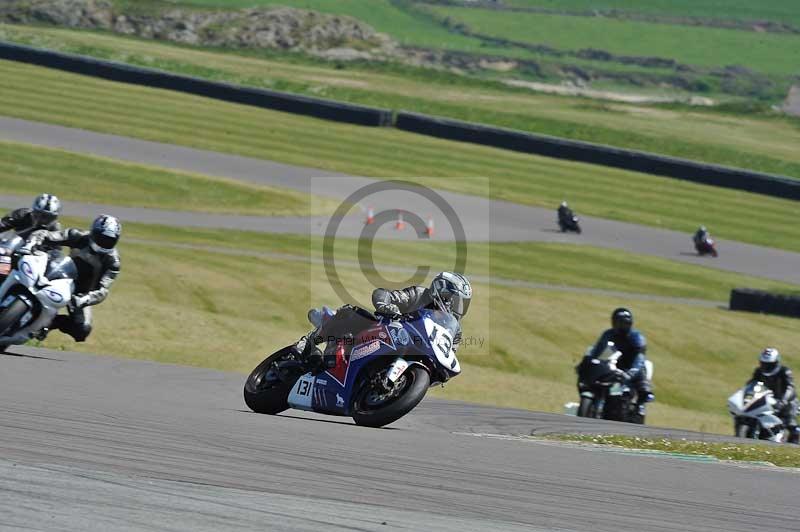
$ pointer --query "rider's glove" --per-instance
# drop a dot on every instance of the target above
(79, 302)
(779, 405)
(623, 376)
(23, 250)
(390, 311)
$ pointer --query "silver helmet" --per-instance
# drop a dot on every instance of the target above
(105, 233)
(451, 292)
(769, 361)
(45, 209)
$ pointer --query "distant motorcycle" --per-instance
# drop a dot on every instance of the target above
(603, 391)
(754, 416)
(706, 246)
(32, 295)
(569, 223)
(379, 376)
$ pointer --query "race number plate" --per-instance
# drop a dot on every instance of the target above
(302, 392)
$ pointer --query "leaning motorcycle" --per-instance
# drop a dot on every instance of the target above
(754, 416)
(706, 246)
(377, 377)
(604, 389)
(32, 295)
(569, 223)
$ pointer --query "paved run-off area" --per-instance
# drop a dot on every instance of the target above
(98, 443)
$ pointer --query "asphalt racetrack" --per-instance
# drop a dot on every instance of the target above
(97, 443)
(482, 219)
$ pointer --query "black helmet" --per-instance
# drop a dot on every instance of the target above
(769, 361)
(451, 292)
(621, 320)
(105, 233)
(45, 210)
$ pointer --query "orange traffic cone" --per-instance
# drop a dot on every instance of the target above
(370, 216)
(429, 227)
(400, 224)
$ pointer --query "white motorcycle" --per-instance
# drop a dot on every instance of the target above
(32, 295)
(754, 416)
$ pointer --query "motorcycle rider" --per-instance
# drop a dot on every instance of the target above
(701, 235)
(778, 378)
(564, 214)
(633, 346)
(449, 292)
(43, 214)
(98, 263)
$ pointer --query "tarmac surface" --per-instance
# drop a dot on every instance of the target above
(481, 218)
(91, 443)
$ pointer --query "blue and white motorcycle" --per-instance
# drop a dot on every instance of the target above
(376, 378)
(32, 295)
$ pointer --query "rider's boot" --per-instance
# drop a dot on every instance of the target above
(794, 435)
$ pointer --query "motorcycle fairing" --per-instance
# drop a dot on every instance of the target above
(333, 390)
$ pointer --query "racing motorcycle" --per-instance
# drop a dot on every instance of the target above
(706, 246)
(754, 416)
(569, 223)
(32, 295)
(604, 392)
(376, 377)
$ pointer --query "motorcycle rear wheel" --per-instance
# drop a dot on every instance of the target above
(370, 410)
(264, 392)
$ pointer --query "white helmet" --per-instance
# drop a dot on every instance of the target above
(104, 234)
(770, 361)
(451, 292)
(45, 210)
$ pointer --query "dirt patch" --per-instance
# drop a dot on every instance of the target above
(574, 90)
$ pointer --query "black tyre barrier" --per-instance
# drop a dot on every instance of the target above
(649, 163)
(765, 302)
(279, 101)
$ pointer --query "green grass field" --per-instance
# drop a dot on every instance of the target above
(772, 10)
(692, 45)
(165, 310)
(761, 142)
(30, 169)
(46, 95)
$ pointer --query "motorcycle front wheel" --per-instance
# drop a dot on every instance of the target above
(267, 388)
(586, 407)
(376, 406)
(11, 315)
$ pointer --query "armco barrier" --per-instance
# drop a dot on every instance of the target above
(708, 174)
(279, 101)
(764, 302)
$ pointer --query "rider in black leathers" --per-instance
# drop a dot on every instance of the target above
(450, 292)
(779, 379)
(700, 235)
(98, 262)
(43, 214)
(633, 346)
(564, 214)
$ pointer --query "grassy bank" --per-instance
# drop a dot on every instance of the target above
(46, 95)
(760, 142)
(28, 170)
